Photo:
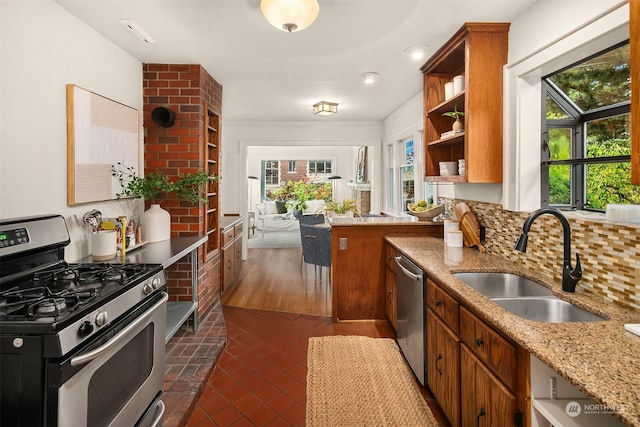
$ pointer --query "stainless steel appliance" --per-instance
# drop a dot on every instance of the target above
(411, 315)
(80, 344)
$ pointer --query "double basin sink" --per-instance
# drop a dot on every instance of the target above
(525, 298)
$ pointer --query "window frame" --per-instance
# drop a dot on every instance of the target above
(577, 122)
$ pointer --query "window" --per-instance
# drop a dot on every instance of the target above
(292, 166)
(319, 167)
(272, 172)
(586, 147)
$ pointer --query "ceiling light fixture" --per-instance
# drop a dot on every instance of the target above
(324, 108)
(290, 15)
(370, 78)
(418, 52)
(137, 30)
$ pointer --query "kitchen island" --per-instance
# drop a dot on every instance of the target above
(357, 258)
(600, 359)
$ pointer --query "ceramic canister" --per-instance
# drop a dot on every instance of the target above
(103, 245)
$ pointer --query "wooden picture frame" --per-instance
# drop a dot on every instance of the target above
(100, 133)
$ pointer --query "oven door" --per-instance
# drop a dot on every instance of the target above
(117, 380)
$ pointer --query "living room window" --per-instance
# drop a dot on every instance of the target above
(317, 167)
(272, 172)
(586, 145)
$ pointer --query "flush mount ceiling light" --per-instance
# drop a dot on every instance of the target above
(370, 78)
(324, 108)
(417, 53)
(290, 15)
(137, 30)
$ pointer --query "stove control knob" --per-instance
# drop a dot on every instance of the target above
(147, 288)
(102, 319)
(85, 328)
(155, 282)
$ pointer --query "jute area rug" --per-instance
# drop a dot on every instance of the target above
(362, 381)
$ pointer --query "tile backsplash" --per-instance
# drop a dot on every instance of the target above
(609, 252)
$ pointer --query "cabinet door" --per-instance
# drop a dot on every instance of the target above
(485, 400)
(390, 286)
(443, 367)
(228, 257)
(237, 245)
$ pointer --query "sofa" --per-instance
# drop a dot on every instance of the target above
(274, 215)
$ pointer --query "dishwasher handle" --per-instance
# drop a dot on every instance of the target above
(416, 277)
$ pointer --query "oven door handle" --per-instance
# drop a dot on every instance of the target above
(157, 421)
(89, 356)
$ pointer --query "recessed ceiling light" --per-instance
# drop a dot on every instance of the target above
(418, 52)
(137, 30)
(370, 78)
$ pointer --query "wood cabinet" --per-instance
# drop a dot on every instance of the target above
(478, 377)
(634, 46)
(478, 51)
(390, 286)
(212, 167)
(231, 243)
(485, 400)
(358, 266)
(443, 366)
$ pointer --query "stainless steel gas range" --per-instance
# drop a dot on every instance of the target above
(80, 344)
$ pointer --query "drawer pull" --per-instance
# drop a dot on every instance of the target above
(438, 303)
(437, 360)
(479, 342)
(481, 414)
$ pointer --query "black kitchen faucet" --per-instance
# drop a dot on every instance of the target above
(570, 275)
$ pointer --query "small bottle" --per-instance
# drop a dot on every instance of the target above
(139, 234)
(131, 235)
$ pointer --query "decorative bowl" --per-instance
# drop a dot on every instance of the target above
(428, 214)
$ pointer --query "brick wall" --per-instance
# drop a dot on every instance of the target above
(179, 150)
(286, 176)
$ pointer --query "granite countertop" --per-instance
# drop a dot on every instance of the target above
(601, 359)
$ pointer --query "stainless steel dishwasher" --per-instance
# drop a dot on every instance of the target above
(411, 315)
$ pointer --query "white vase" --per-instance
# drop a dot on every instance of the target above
(156, 224)
(458, 126)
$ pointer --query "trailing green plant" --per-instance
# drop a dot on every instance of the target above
(343, 207)
(455, 114)
(156, 187)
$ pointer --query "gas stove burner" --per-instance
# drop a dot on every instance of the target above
(51, 307)
(42, 302)
(62, 278)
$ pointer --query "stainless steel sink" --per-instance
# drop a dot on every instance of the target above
(499, 285)
(546, 309)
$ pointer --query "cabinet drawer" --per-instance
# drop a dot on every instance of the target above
(238, 230)
(390, 257)
(443, 305)
(227, 237)
(491, 348)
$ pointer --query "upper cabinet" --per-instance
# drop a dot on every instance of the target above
(477, 53)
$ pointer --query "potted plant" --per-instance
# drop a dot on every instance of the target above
(156, 188)
(458, 125)
(347, 207)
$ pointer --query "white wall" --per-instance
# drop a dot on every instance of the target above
(43, 48)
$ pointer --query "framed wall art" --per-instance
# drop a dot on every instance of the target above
(100, 133)
(361, 165)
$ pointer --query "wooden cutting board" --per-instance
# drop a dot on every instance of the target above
(470, 228)
(460, 210)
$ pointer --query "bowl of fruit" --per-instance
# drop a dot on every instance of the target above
(425, 211)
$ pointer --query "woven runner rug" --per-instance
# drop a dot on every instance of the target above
(362, 381)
